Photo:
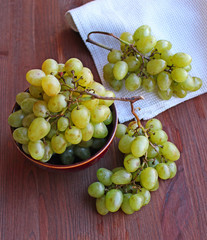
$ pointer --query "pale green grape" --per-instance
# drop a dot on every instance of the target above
(156, 66)
(73, 64)
(173, 168)
(146, 44)
(57, 103)
(20, 135)
(25, 148)
(125, 206)
(136, 175)
(158, 137)
(133, 82)
(40, 109)
(62, 124)
(73, 135)
(148, 178)
(50, 66)
(121, 177)
(35, 76)
(80, 116)
(52, 132)
(127, 37)
(36, 92)
(167, 56)
(104, 176)
(109, 119)
(87, 132)
(21, 96)
(98, 88)
(61, 67)
(197, 83)
(170, 151)
(163, 45)
(125, 143)
(114, 56)
(142, 31)
(96, 190)
(165, 95)
(114, 199)
(188, 84)
(107, 102)
(139, 146)
(133, 63)
(155, 187)
(48, 152)
(149, 84)
(164, 81)
(120, 70)
(181, 59)
(67, 81)
(188, 68)
(36, 149)
(116, 84)
(51, 85)
(59, 143)
(90, 104)
(85, 77)
(136, 201)
(100, 114)
(153, 124)
(101, 205)
(117, 169)
(153, 162)
(179, 74)
(121, 130)
(27, 105)
(131, 163)
(147, 196)
(108, 72)
(163, 171)
(177, 89)
(15, 118)
(100, 130)
(152, 152)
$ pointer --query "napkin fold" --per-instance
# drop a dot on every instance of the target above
(183, 23)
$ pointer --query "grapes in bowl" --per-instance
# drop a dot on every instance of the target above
(65, 120)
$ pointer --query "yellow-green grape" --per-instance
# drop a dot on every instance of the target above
(198, 83)
(51, 85)
(108, 103)
(45, 97)
(62, 124)
(133, 63)
(147, 196)
(73, 64)
(36, 92)
(20, 135)
(153, 124)
(163, 45)
(136, 201)
(188, 68)
(153, 162)
(116, 84)
(59, 143)
(100, 130)
(117, 169)
(25, 148)
(85, 77)
(163, 171)
(36, 149)
(125, 143)
(181, 59)
(136, 175)
(108, 72)
(96, 189)
(164, 81)
(109, 119)
(48, 152)
(173, 168)
(148, 178)
(133, 82)
(67, 81)
(120, 70)
(87, 132)
(21, 96)
(35, 76)
(101, 205)
(38, 129)
(90, 104)
(61, 67)
(179, 74)
(27, 120)
(98, 88)
(73, 135)
(27, 105)
(57, 103)
(188, 84)
(114, 56)
(149, 84)
(121, 130)
(50, 66)
(142, 31)
(40, 109)
(131, 163)
(15, 118)
(167, 56)
(165, 95)
(170, 151)
(158, 137)
(114, 199)
(100, 113)
(127, 37)
(177, 89)
(155, 187)
(125, 206)
(139, 146)
(156, 66)
(80, 116)
(104, 176)
(152, 152)
(132, 126)
(146, 44)
(52, 132)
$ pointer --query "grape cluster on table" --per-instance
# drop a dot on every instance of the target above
(145, 62)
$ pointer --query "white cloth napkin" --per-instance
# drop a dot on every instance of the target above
(183, 23)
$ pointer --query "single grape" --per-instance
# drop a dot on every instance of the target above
(121, 130)
(133, 82)
(36, 149)
(181, 59)
(73, 135)
(155, 187)
(152, 152)
(25, 148)
(80, 116)
(15, 118)
(146, 44)
(27, 105)
(51, 85)
(121, 177)
(131, 163)
(52, 132)
(125, 206)
(114, 56)
(125, 143)
(127, 37)
(40, 109)
(98, 88)
(96, 190)
(142, 31)
(133, 63)
(104, 176)
(91, 103)
(114, 199)
(87, 132)
(100, 113)
(147, 196)
(177, 89)
(116, 84)
(148, 178)
(139, 146)
(136, 175)
(35, 76)
(136, 201)
(165, 95)
(36, 92)
(85, 77)
(73, 64)
(109, 119)
(153, 124)
(117, 169)
(108, 72)
(62, 124)
(21, 96)
(173, 168)
(164, 81)
(158, 137)
(163, 45)
(57, 103)
(48, 152)
(120, 70)
(188, 84)
(50, 66)
(107, 102)
(156, 66)
(100, 130)
(179, 74)
(188, 68)
(167, 56)
(101, 205)
(149, 84)
(20, 135)
(163, 171)
(59, 143)
(197, 83)
(170, 151)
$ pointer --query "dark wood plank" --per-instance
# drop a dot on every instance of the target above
(36, 204)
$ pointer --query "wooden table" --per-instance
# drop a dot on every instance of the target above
(36, 204)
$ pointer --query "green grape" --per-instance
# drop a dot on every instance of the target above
(133, 63)
(86, 144)
(73, 135)
(188, 84)
(73, 64)
(45, 97)
(163, 171)
(155, 187)
(104, 176)
(35, 91)
(52, 132)
(117, 169)
(181, 59)
(109, 119)
(163, 45)
(136, 201)
(152, 152)
(20, 135)
(82, 152)
(139, 146)
(61, 67)
(121, 177)
(146, 44)
(40, 109)
(15, 118)
(177, 89)
(114, 56)
(98, 143)
(197, 83)
(188, 68)
(165, 95)
(67, 81)
(142, 31)
(85, 77)
(153, 162)
(179, 74)
(38, 129)
(107, 102)
(100, 130)
(149, 84)
(87, 132)
(108, 72)
(48, 152)
(164, 81)
(27, 105)
(51, 85)
(127, 37)
(62, 124)
(114, 199)
(25, 148)
(116, 84)
(147, 196)
(136, 175)
(101, 205)
(98, 88)
(90, 104)
(100, 114)
(133, 82)
(125, 143)
(80, 116)
(120, 70)
(50, 66)
(131, 163)
(173, 168)
(35, 76)
(125, 206)
(96, 190)
(68, 156)
(59, 143)
(167, 56)
(36, 149)
(21, 96)
(156, 66)
(148, 178)
(57, 103)
(170, 151)
(121, 130)
(158, 137)
(153, 124)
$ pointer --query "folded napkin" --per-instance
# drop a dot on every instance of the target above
(183, 23)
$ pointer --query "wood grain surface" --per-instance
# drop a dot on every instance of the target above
(40, 205)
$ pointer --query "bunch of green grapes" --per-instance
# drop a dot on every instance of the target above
(144, 61)
(148, 156)
(58, 115)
